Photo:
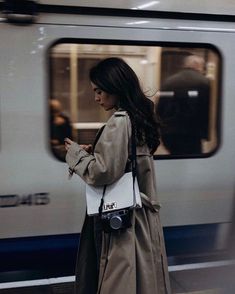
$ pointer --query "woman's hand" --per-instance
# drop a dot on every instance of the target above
(87, 148)
(67, 143)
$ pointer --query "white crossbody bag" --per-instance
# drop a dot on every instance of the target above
(118, 198)
(119, 195)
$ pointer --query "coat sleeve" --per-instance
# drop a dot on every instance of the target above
(108, 162)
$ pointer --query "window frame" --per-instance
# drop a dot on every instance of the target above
(147, 43)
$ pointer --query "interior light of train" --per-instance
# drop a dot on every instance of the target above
(193, 94)
(144, 61)
(86, 126)
(166, 93)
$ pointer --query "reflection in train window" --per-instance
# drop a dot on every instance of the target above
(182, 82)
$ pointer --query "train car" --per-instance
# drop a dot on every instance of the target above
(46, 51)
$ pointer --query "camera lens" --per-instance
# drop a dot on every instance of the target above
(115, 222)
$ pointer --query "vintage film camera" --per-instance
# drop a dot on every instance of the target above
(116, 220)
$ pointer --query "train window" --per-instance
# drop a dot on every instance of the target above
(183, 83)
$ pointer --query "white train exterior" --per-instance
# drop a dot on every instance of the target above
(37, 199)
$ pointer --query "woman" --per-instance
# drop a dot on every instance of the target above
(133, 261)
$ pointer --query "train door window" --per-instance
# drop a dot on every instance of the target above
(183, 83)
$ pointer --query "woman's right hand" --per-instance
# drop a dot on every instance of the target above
(68, 142)
(87, 148)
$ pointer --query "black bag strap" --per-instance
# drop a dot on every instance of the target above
(98, 134)
(133, 153)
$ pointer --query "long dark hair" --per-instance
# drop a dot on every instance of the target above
(116, 77)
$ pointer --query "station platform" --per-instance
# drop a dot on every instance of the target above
(215, 277)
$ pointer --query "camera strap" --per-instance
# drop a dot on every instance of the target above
(102, 201)
(133, 168)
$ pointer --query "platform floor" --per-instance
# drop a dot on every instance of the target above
(209, 278)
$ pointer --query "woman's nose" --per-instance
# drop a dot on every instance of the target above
(97, 98)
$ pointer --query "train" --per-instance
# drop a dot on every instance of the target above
(46, 51)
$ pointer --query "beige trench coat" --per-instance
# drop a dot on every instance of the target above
(134, 261)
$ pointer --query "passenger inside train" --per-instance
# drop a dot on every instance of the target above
(60, 127)
(183, 108)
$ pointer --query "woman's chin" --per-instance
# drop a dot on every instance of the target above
(107, 108)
